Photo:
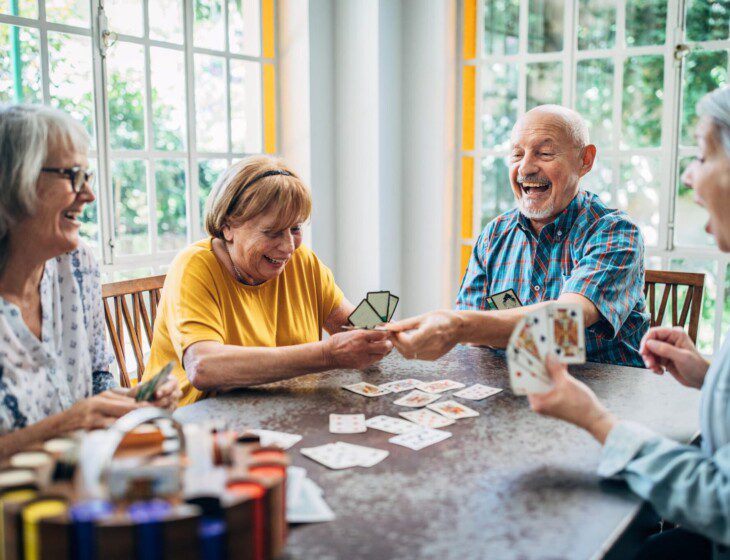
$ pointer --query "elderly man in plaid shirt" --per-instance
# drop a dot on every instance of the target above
(560, 243)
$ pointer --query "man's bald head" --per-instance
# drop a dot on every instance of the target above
(573, 124)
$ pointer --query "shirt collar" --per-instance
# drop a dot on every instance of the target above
(565, 219)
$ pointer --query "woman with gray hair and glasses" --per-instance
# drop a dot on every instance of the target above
(685, 484)
(54, 357)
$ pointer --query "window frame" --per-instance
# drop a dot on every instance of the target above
(112, 261)
(469, 200)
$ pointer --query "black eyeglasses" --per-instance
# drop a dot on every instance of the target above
(77, 175)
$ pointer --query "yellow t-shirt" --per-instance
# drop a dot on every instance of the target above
(202, 301)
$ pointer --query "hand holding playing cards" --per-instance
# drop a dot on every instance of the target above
(428, 336)
(168, 394)
(673, 349)
(572, 401)
(356, 349)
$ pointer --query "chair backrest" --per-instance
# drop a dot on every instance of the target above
(140, 318)
(691, 306)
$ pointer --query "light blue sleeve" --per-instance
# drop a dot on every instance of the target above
(685, 485)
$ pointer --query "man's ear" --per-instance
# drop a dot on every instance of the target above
(587, 156)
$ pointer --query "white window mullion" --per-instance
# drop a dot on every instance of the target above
(45, 65)
(105, 200)
(193, 197)
(570, 46)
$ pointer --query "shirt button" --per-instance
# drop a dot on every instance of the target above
(560, 232)
(537, 288)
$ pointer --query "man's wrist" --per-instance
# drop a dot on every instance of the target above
(460, 327)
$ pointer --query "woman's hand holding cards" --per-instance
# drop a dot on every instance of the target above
(572, 401)
(356, 349)
(428, 336)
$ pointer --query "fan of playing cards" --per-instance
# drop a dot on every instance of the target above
(558, 329)
(377, 308)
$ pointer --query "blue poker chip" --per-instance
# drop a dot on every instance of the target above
(148, 512)
(87, 512)
(212, 538)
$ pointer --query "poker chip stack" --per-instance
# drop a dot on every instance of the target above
(241, 516)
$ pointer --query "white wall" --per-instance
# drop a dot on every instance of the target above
(369, 86)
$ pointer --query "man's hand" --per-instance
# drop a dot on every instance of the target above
(428, 336)
(572, 401)
(672, 349)
(356, 349)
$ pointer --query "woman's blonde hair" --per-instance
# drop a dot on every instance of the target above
(253, 186)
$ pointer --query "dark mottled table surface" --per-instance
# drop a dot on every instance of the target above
(508, 484)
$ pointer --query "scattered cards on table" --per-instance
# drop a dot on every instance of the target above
(427, 418)
(146, 391)
(276, 439)
(401, 385)
(558, 329)
(376, 309)
(366, 389)
(341, 455)
(439, 386)
(477, 392)
(453, 409)
(390, 424)
(420, 438)
(347, 423)
(417, 398)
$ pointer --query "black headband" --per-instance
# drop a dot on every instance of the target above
(268, 173)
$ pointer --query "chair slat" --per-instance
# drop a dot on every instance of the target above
(135, 321)
(690, 306)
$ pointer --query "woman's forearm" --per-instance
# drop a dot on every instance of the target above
(214, 366)
(35, 433)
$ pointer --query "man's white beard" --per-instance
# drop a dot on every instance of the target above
(531, 214)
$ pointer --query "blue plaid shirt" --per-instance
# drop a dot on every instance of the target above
(589, 250)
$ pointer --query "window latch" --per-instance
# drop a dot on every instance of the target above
(681, 50)
(108, 37)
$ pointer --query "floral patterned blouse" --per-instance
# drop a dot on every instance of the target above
(71, 360)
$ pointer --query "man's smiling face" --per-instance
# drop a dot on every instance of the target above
(546, 164)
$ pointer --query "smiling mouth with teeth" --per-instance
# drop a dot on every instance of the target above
(73, 216)
(534, 186)
(274, 261)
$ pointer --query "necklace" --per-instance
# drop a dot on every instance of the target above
(239, 276)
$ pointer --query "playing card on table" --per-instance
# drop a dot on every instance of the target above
(416, 399)
(453, 409)
(379, 302)
(366, 389)
(331, 456)
(390, 424)
(505, 300)
(566, 332)
(419, 438)
(278, 439)
(364, 316)
(347, 423)
(400, 385)
(426, 418)
(341, 455)
(366, 456)
(439, 386)
(477, 392)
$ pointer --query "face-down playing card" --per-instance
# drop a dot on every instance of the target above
(364, 316)
(379, 301)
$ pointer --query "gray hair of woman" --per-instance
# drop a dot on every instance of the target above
(716, 105)
(27, 134)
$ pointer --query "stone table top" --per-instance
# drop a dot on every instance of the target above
(507, 484)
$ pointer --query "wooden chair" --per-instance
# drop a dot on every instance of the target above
(140, 318)
(692, 305)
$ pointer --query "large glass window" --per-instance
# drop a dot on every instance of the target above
(623, 66)
(175, 92)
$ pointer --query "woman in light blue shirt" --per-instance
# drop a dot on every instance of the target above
(686, 485)
(54, 358)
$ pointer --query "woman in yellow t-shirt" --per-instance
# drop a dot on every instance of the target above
(247, 305)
